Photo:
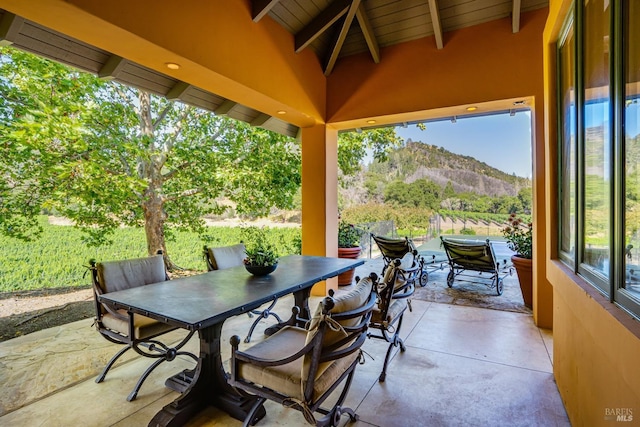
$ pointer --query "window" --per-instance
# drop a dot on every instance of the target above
(567, 109)
(599, 147)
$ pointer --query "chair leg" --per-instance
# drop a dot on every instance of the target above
(101, 377)
(332, 417)
(134, 393)
(251, 418)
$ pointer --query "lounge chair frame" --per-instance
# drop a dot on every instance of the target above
(396, 248)
(466, 256)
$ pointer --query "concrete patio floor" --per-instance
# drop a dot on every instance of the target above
(463, 366)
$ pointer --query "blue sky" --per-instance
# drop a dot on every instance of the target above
(500, 140)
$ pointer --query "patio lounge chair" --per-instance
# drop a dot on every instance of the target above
(465, 256)
(134, 331)
(300, 368)
(232, 256)
(394, 291)
(397, 248)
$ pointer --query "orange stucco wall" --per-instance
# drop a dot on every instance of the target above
(596, 345)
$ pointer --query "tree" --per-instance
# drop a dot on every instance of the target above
(107, 155)
(352, 147)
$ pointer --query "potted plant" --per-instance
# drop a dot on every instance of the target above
(261, 255)
(519, 237)
(348, 247)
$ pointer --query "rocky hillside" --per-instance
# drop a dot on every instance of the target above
(416, 160)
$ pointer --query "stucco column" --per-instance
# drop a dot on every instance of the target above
(542, 289)
(320, 196)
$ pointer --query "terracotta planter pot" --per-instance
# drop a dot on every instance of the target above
(525, 277)
(346, 278)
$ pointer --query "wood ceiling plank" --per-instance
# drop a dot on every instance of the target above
(321, 23)
(260, 8)
(367, 32)
(435, 21)
(342, 35)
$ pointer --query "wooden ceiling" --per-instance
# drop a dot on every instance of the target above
(336, 28)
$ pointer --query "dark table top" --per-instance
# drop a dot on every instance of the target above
(202, 300)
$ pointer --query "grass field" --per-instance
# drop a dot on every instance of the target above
(59, 257)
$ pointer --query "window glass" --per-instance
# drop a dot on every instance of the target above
(568, 144)
(597, 152)
(632, 147)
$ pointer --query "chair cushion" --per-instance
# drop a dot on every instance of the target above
(130, 273)
(227, 256)
(396, 309)
(351, 300)
(144, 327)
(287, 379)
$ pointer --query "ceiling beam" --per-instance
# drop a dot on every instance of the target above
(176, 92)
(10, 26)
(320, 23)
(260, 120)
(112, 67)
(367, 32)
(435, 21)
(260, 8)
(515, 16)
(341, 36)
(225, 107)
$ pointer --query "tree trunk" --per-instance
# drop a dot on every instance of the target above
(150, 169)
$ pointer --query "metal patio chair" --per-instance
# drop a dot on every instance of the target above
(222, 257)
(399, 248)
(300, 368)
(134, 331)
(479, 257)
(394, 290)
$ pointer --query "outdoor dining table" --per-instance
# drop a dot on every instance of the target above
(203, 302)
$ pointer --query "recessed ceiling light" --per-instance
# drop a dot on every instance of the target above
(371, 121)
(472, 108)
(281, 112)
(172, 65)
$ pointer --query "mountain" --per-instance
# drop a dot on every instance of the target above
(416, 160)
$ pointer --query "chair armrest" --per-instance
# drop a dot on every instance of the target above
(259, 361)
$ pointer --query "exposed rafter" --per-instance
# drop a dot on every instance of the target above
(260, 120)
(112, 68)
(10, 26)
(177, 91)
(435, 21)
(515, 16)
(367, 32)
(321, 23)
(341, 35)
(260, 8)
(225, 107)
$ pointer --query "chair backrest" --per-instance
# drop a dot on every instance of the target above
(337, 329)
(478, 256)
(112, 276)
(393, 248)
(398, 283)
(225, 256)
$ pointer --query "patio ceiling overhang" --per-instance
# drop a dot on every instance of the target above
(255, 70)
